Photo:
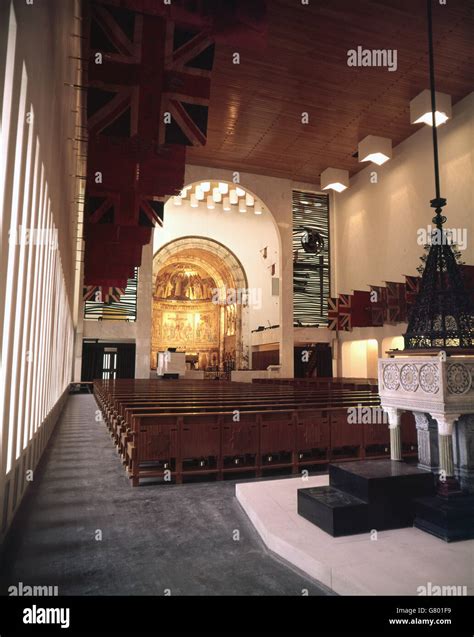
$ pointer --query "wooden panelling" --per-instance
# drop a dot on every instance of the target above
(255, 108)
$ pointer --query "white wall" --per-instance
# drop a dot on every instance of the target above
(276, 194)
(375, 225)
(244, 234)
(37, 191)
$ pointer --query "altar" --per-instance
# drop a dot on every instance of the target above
(171, 364)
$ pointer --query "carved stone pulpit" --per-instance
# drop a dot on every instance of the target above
(439, 390)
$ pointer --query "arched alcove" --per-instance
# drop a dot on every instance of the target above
(199, 304)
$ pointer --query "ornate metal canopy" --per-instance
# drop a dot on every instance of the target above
(443, 313)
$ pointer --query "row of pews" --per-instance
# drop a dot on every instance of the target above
(176, 429)
(324, 383)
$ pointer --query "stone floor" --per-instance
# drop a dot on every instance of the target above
(394, 562)
(84, 529)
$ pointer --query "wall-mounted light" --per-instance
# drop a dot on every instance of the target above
(223, 188)
(205, 186)
(210, 203)
(258, 208)
(240, 192)
(420, 109)
(199, 193)
(242, 206)
(216, 195)
(194, 201)
(249, 200)
(226, 204)
(334, 179)
(234, 199)
(177, 201)
(375, 149)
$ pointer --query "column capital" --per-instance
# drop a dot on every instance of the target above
(421, 420)
(445, 423)
(394, 416)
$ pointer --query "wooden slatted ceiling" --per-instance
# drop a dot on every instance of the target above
(255, 110)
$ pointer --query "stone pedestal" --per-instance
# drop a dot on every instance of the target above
(365, 495)
(463, 451)
(427, 434)
(440, 391)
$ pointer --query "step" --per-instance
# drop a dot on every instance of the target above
(334, 511)
(451, 519)
(381, 481)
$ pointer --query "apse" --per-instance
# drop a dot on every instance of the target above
(239, 220)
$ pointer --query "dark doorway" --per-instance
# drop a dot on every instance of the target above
(313, 360)
(107, 360)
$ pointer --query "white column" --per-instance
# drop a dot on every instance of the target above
(394, 419)
(445, 437)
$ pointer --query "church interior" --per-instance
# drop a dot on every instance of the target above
(236, 299)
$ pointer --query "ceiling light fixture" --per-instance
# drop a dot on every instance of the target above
(234, 199)
(223, 188)
(375, 149)
(210, 203)
(194, 201)
(420, 108)
(226, 204)
(249, 200)
(205, 186)
(334, 179)
(240, 192)
(199, 193)
(216, 195)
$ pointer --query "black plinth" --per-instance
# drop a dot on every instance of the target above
(451, 519)
(373, 494)
(334, 511)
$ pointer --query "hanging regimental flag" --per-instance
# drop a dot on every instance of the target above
(378, 305)
(100, 294)
(345, 311)
(412, 287)
(189, 59)
(115, 55)
(396, 302)
(360, 309)
(333, 313)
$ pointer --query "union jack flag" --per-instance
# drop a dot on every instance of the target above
(109, 208)
(333, 313)
(345, 312)
(189, 57)
(412, 287)
(100, 294)
(113, 99)
(378, 305)
(396, 303)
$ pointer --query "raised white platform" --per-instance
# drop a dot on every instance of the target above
(396, 563)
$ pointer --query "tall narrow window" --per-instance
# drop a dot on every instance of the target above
(311, 258)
